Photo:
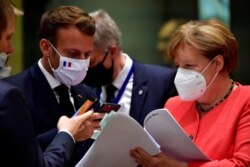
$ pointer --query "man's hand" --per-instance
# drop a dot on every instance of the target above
(82, 126)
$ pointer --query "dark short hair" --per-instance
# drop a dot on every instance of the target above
(63, 17)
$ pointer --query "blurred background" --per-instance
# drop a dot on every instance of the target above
(142, 23)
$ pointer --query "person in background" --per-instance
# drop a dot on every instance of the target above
(52, 85)
(164, 34)
(18, 143)
(213, 109)
(5, 46)
(138, 88)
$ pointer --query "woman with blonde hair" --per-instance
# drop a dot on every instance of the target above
(213, 109)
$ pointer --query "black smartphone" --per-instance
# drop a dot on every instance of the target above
(108, 107)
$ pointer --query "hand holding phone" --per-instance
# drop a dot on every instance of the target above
(108, 107)
(86, 106)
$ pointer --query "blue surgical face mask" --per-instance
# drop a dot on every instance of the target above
(4, 70)
(3, 59)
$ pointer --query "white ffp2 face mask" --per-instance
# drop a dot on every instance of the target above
(190, 84)
(70, 71)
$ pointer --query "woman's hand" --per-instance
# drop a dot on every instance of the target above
(158, 160)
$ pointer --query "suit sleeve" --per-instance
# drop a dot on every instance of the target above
(18, 140)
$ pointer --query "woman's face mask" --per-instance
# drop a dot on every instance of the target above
(190, 84)
(70, 71)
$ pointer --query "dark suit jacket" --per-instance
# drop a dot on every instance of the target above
(152, 87)
(45, 109)
(18, 144)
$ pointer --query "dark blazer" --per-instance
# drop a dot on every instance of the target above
(18, 144)
(152, 86)
(45, 109)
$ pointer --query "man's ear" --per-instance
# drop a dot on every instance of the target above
(45, 47)
(114, 50)
(219, 62)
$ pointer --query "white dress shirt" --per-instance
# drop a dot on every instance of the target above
(125, 100)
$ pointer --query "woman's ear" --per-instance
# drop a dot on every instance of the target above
(219, 62)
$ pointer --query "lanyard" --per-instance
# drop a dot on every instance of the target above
(124, 85)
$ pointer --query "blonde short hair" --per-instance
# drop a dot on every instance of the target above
(210, 38)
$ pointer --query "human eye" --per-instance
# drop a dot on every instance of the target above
(87, 55)
(188, 66)
(73, 54)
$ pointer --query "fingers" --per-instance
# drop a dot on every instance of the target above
(96, 125)
(88, 126)
(141, 156)
(92, 125)
(91, 115)
(85, 115)
(62, 121)
(97, 116)
(140, 152)
(93, 120)
(82, 126)
(63, 118)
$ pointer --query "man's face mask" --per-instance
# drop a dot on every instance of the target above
(70, 71)
(190, 84)
(99, 75)
(4, 70)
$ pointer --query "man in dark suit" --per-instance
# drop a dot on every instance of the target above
(18, 143)
(66, 40)
(139, 88)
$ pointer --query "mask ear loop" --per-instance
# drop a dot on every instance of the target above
(54, 49)
(53, 69)
(207, 66)
(212, 80)
(105, 56)
(214, 75)
(50, 65)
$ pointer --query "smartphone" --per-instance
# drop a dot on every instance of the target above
(108, 107)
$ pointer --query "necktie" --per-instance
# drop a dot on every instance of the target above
(64, 100)
(110, 90)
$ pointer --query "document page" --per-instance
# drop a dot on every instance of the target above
(111, 148)
(162, 126)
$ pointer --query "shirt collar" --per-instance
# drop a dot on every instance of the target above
(51, 80)
(119, 80)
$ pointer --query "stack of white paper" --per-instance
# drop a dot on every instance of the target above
(123, 133)
(162, 126)
(112, 146)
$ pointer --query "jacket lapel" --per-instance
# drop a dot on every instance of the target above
(139, 92)
(42, 87)
(81, 93)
